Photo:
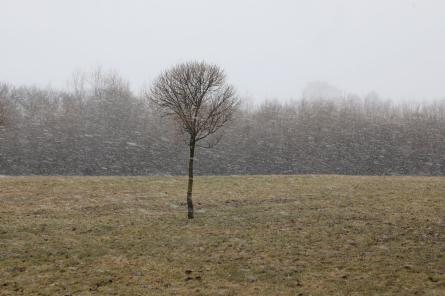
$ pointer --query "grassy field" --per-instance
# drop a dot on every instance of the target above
(253, 235)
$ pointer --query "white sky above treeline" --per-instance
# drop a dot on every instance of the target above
(269, 49)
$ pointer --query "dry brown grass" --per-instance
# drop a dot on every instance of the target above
(253, 235)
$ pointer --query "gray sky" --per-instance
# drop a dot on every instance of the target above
(269, 49)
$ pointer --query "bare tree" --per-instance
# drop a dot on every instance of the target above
(3, 93)
(200, 100)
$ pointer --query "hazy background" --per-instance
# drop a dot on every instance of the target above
(270, 49)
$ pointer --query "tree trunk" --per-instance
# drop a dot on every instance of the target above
(190, 183)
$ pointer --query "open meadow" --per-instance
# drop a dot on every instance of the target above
(252, 235)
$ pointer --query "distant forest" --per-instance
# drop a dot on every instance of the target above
(98, 126)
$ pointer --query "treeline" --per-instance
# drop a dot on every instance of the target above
(100, 127)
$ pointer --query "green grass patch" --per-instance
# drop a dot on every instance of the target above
(252, 235)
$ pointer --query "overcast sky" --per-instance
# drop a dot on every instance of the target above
(269, 49)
